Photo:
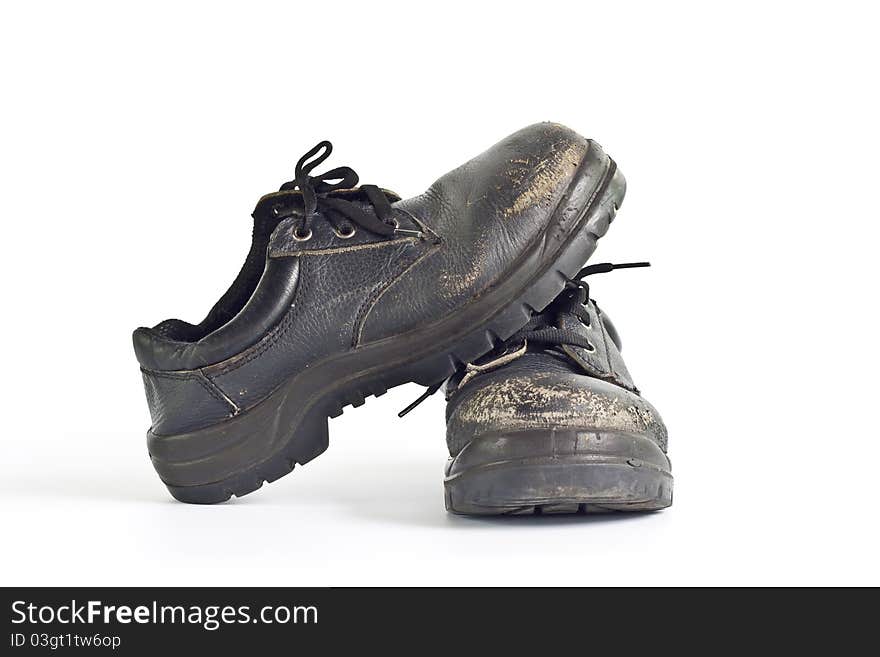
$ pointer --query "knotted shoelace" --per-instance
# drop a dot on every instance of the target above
(541, 329)
(343, 214)
(573, 301)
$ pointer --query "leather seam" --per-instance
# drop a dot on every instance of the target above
(367, 309)
(217, 391)
(421, 224)
(601, 327)
(179, 376)
(197, 377)
(613, 375)
(342, 249)
(209, 390)
(374, 294)
(259, 349)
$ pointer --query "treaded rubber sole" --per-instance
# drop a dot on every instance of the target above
(553, 472)
(290, 426)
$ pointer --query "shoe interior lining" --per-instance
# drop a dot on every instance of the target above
(235, 298)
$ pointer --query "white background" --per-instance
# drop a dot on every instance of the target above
(135, 143)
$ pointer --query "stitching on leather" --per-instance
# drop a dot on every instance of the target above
(202, 382)
(374, 294)
(185, 377)
(602, 330)
(218, 391)
(613, 374)
(418, 222)
(261, 347)
(342, 249)
(189, 374)
(304, 286)
(362, 316)
(217, 369)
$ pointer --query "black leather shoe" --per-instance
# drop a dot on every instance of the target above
(551, 422)
(348, 291)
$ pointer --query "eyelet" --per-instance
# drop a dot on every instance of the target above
(346, 234)
(276, 209)
(394, 222)
(591, 350)
(586, 324)
(300, 236)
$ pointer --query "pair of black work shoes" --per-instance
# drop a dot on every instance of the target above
(348, 290)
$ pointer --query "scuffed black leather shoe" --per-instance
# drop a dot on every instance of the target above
(349, 290)
(551, 422)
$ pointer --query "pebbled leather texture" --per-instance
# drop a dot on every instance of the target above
(484, 211)
(181, 402)
(298, 301)
(269, 302)
(567, 387)
(544, 390)
(325, 318)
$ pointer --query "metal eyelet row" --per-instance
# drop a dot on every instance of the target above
(345, 234)
(304, 236)
(301, 236)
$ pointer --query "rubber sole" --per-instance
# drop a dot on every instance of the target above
(290, 426)
(549, 471)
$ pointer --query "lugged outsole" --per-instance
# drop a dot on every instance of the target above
(311, 436)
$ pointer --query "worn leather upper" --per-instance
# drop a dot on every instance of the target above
(564, 387)
(337, 293)
(487, 209)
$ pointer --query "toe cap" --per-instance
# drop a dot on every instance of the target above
(525, 400)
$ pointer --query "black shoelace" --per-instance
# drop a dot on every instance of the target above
(572, 301)
(343, 214)
(541, 331)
